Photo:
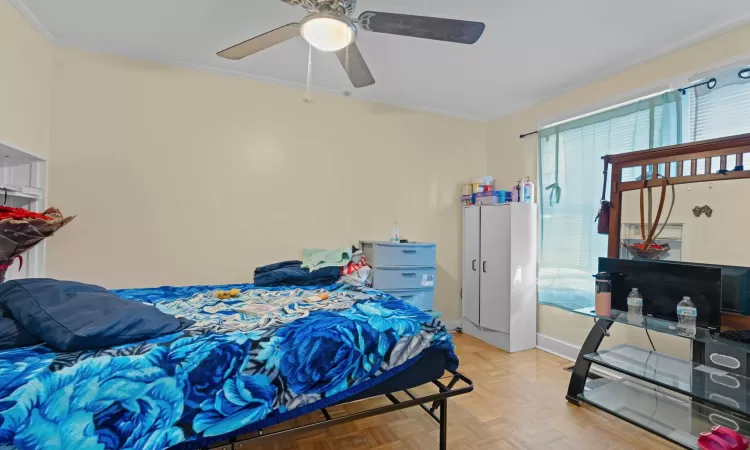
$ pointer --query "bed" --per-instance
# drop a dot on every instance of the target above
(254, 360)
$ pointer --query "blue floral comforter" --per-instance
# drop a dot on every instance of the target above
(248, 362)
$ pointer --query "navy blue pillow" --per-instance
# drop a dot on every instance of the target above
(71, 316)
(13, 336)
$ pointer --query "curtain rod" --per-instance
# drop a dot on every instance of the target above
(710, 84)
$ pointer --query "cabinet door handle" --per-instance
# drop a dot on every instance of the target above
(474, 265)
(725, 380)
(484, 266)
(717, 419)
(725, 361)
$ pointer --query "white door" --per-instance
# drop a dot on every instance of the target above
(470, 279)
(494, 286)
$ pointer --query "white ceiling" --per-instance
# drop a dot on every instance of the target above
(531, 50)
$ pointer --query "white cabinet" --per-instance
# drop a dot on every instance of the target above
(471, 264)
(22, 180)
(499, 274)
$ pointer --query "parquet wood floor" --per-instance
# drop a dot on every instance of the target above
(518, 403)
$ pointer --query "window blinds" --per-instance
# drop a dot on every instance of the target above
(722, 111)
(570, 172)
(570, 164)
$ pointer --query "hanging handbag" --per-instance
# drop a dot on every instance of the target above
(603, 216)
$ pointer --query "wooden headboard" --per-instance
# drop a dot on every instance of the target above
(685, 157)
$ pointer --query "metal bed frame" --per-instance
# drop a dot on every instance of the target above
(439, 404)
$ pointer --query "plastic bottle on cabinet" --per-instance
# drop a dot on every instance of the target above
(489, 184)
(395, 233)
(528, 191)
(517, 192)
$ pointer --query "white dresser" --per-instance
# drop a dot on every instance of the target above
(499, 274)
(406, 271)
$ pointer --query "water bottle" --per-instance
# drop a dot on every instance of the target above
(687, 316)
(635, 307)
(395, 233)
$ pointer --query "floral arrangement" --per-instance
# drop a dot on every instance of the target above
(650, 251)
(21, 230)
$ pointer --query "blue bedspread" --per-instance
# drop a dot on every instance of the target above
(248, 362)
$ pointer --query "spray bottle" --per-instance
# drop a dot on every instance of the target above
(517, 196)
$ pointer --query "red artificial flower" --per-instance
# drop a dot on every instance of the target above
(6, 212)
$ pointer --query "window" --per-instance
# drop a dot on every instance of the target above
(721, 111)
(571, 167)
(571, 178)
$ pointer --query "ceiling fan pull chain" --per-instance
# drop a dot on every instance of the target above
(347, 67)
(308, 97)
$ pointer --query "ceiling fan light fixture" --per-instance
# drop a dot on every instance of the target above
(328, 32)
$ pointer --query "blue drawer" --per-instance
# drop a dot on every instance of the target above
(421, 298)
(385, 254)
(394, 279)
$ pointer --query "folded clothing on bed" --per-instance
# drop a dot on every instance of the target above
(318, 258)
(291, 273)
(12, 335)
(225, 376)
(69, 316)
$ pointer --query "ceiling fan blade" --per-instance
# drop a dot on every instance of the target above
(261, 42)
(355, 66)
(449, 30)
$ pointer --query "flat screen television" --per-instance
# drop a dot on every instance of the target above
(663, 286)
(735, 287)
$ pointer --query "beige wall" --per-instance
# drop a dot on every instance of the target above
(25, 77)
(719, 239)
(185, 177)
(509, 157)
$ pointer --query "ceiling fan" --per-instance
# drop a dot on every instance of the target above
(329, 27)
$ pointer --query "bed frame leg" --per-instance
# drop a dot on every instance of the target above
(444, 424)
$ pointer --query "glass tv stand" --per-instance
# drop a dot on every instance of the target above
(673, 398)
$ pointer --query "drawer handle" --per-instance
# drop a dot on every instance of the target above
(724, 400)
(408, 296)
(408, 275)
(723, 421)
(409, 252)
(731, 381)
(725, 361)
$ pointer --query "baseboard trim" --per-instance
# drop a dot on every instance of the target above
(451, 325)
(557, 347)
(570, 352)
